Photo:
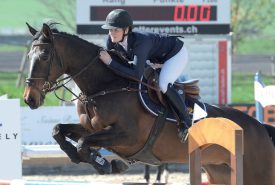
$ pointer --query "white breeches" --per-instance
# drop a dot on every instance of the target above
(172, 69)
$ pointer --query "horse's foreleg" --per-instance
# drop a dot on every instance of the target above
(107, 137)
(73, 132)
(111, 136)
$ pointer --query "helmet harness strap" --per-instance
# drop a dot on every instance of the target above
(124, 34)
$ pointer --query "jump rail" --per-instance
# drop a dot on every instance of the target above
(218, 131)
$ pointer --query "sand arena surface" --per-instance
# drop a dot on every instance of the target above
(62, 169)
(174, 177)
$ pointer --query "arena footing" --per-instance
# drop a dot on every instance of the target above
(135, 183)
(33, 182)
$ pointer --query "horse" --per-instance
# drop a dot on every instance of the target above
(161, 169)
(113, 118)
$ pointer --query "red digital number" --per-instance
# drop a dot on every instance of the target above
(205, 13)
(192, 13)
(179, 13)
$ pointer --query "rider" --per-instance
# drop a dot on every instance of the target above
(141, 46)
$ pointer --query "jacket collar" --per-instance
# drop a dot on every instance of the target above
(124, 43)
(130, 41)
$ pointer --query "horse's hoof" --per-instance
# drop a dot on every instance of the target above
(118, 166)
(76, 161)
(74, 157)
(101, 165)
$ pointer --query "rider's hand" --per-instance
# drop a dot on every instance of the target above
(105, 57)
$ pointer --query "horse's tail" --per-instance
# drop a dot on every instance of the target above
(271, 132)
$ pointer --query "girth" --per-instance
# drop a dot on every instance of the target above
(145, 154)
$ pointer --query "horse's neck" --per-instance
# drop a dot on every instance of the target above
(79, 55)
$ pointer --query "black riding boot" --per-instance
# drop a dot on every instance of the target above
(178, 104)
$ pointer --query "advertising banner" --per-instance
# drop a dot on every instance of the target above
(38, 124)
(10, 140)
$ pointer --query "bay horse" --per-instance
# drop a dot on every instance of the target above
(114, 118)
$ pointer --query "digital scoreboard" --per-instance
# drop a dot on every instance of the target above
(205, 25)
(167, 16)
(177, 13)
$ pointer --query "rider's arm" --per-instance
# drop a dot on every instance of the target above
(136, 71)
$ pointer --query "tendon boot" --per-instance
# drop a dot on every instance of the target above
(178, 104)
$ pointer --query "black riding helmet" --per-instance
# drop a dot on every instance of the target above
(118, 18)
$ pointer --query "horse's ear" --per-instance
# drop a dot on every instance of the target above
(46, 30)
(31, 29)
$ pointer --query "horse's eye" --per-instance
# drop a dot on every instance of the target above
(44, 55)
(29, 83)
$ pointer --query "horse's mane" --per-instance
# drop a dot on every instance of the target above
(114, 54)
(55, 30)
(75, 37)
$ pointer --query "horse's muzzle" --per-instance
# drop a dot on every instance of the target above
(31, 102)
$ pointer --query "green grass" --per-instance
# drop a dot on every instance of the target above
(9, 48)
(15, 13)
(8, 86)
(257, 46)
(242, 88)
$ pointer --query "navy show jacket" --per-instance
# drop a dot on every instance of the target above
(144, 46)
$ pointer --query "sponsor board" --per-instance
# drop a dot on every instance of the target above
(10, 139)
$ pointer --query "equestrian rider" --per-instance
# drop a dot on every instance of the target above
(141, 46)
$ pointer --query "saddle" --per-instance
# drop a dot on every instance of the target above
(153, 100)
(190, 87)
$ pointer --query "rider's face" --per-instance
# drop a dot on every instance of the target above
(117, 34)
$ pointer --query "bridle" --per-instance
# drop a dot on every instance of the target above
(47, 86)
(50, 86)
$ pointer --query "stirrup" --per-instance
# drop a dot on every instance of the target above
(183, 135)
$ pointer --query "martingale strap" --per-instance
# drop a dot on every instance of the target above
(145, 154)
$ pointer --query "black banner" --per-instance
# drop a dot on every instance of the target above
(169, 29)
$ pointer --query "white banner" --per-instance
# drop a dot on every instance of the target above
(10, 140)
(37, 125)
(264, 95)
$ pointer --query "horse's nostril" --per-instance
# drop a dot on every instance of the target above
(29, 99)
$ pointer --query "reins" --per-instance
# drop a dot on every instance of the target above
(85, 99)
(53, 86)
(70, 78)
